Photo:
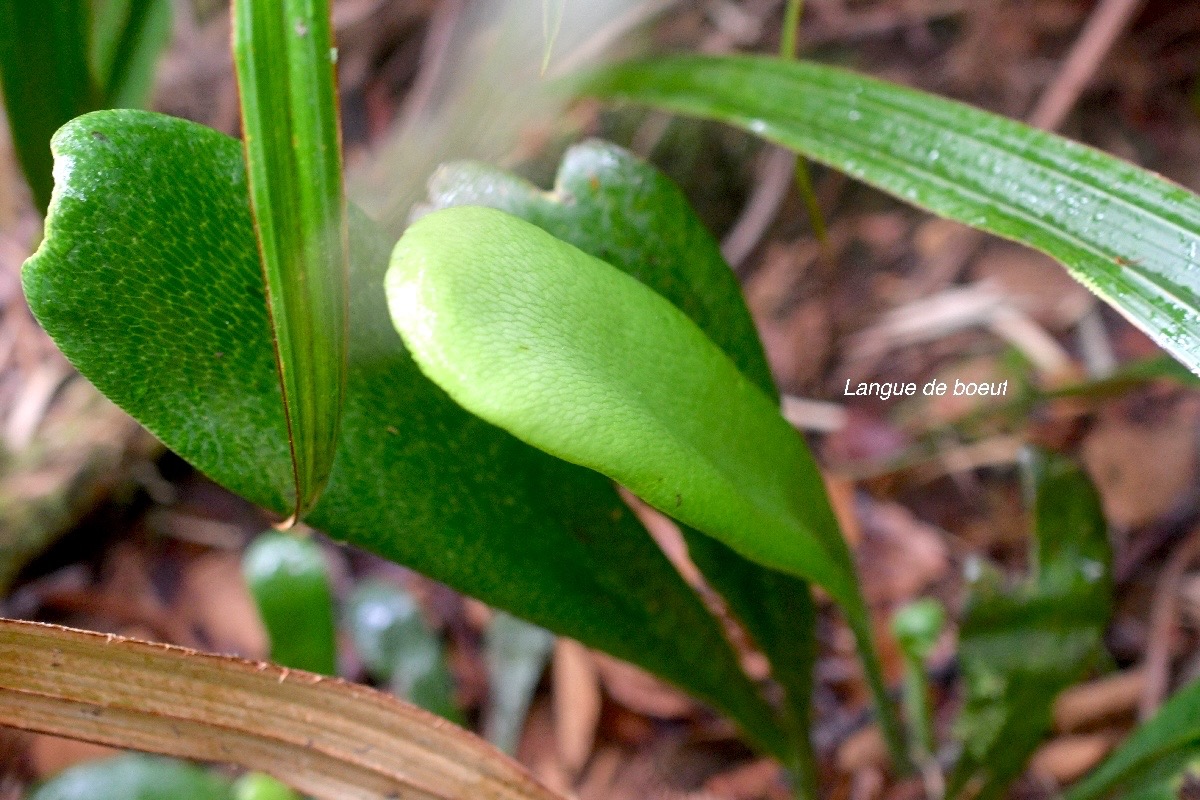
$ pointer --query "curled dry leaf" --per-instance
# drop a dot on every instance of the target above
(324, 737)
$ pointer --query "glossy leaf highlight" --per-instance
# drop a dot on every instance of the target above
(1127, 234)
(283, 51)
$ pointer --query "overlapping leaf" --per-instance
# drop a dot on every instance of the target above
(609, 204)
(149, 282)
(127, 38)
(396, 647)
(1019, 649)
(1127, 234)
(507, 318)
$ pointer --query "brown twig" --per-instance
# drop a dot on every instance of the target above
(774, 180)
(1156, 661)
(1101, 32)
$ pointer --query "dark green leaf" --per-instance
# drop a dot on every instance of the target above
(283, 51)
(44, 72)
(625, 212)
(516, 654)
(134, 777)
(397, 648)
(149, 282)
(1128, 235)
(1161, 748)
(505, 317)
(1019, 649)
(289, 580)
(127, 39)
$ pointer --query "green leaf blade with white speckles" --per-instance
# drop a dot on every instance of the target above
(148, 280)
(1127, 234)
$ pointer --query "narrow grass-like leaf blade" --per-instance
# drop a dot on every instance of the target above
(1127, 234)
(283, 51)
(45, 77)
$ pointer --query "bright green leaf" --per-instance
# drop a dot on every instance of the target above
(258, 786)
(1128, 235)
(289, 580)
(283, 51)
(45, 77)
(396, 647)
(505, 317)
(623, 211)
(134, 777)
(1019, 649)
(516, 654)
(149, 282)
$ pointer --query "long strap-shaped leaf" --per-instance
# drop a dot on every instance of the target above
(1127, 234)
(328, 738)
(586, 363)
(43, 64)
(283, 50)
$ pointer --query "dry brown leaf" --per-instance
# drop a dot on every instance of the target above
(864, 749)
(1142, 470)
(1068, 758)
(325, 737)
(900, 556)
